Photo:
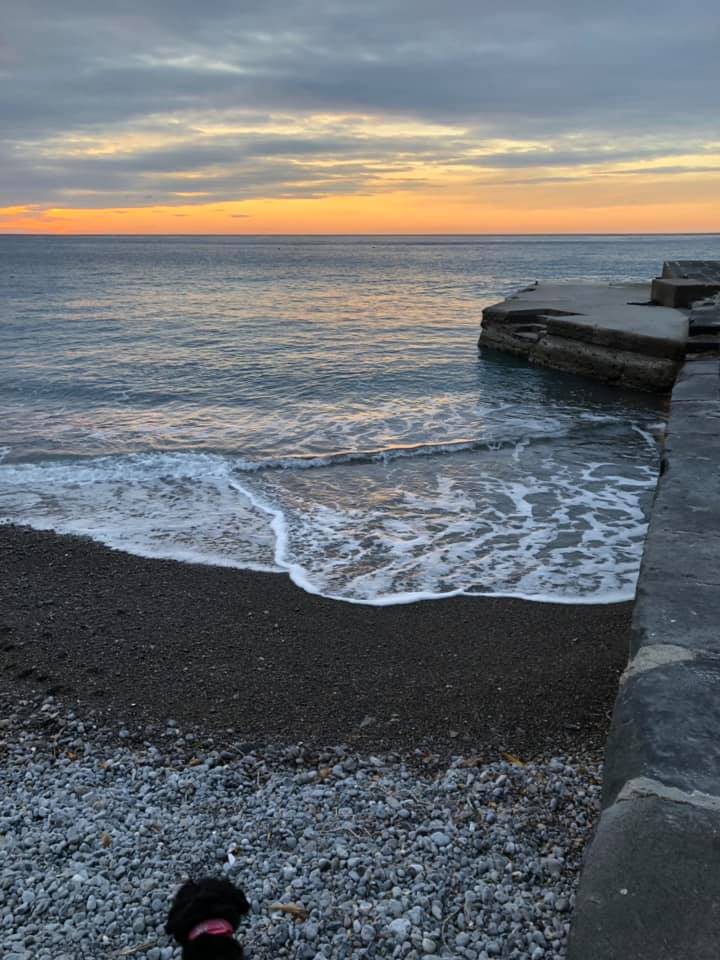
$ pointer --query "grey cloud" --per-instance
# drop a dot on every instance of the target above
(82, 182)
(527, 71)
(571, 158)
(236, 167)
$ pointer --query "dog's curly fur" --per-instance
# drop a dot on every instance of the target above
(200, 900)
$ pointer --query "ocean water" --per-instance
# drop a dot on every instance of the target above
(318, 407)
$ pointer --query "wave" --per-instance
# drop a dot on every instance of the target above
(401, 451)
(551, 528)
(311, 461)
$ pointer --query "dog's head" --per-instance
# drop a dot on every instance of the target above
(203, 918)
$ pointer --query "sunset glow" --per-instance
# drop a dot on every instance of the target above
(181, 122)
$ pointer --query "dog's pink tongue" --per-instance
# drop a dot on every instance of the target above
(212, 928)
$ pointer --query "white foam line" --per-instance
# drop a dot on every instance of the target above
(299, 576)
(649, 439)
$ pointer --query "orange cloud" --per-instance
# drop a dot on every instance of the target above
(575, 203)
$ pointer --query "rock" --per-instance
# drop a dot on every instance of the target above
(440, 839)
(400, 928)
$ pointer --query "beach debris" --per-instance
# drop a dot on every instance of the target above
(137, 948)
(298, 913)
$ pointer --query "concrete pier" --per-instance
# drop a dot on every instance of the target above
(611, 332)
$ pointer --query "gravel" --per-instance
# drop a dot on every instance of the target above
(386, 856)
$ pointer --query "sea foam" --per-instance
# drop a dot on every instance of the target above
(436, 521)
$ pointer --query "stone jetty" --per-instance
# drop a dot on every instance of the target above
(633, 335)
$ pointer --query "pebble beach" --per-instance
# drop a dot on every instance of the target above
(341, 853)
(435, 805)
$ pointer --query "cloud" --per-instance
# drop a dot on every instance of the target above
(110, 103)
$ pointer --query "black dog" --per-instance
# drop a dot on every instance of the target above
(204, 917)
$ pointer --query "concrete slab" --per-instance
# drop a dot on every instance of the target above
(651, 887)
(610, 332)
(599, 308)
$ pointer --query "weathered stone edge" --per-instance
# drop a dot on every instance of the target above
(565, 340)
(650, 886)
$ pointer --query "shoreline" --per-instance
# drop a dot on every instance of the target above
(248, 656)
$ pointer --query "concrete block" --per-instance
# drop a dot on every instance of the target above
(698, 387)
(708, 270)
(690, 454)
(687, 616)
(700, 513)
(650, 889)
(699, 416)
(703, 344)
(687, 499)
(683, 558)
(665, 724)
(701, 367)
(679, 293)
(704, 321)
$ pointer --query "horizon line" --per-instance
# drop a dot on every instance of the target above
(611, 233)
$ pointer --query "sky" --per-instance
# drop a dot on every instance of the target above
(359, 116)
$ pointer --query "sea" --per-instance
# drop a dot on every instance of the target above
(318, 407)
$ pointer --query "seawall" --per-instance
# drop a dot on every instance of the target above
(650, 886)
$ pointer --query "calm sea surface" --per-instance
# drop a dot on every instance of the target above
(318, 407)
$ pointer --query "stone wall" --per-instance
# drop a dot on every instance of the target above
(650, 888)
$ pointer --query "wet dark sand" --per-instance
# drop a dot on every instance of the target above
(249, 656)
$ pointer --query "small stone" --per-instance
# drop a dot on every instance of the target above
(428, 945)
(395, 908)
(440, 839)
(400, 928)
